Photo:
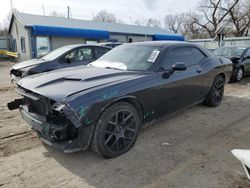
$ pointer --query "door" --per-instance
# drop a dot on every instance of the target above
(182, 88)
(246, 61)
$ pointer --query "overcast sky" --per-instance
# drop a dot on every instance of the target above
(126, 10)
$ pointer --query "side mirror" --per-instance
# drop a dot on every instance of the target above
(179, 66)
(176, 67)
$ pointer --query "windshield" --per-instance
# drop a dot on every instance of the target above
(56, 53)
(129, 57)
(229, 51)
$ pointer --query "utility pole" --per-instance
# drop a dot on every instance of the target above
(11, 5)
(43, 10)
(68, 11)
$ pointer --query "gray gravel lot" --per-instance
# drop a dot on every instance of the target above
(196, 152)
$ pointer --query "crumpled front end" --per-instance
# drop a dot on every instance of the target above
(56, 124)
(15, 75)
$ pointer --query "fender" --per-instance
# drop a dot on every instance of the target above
(85, 132)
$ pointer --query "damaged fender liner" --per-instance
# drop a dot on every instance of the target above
(72, 116)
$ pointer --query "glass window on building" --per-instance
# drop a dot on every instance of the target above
(42, 46)
(23, 48)
(14, 49)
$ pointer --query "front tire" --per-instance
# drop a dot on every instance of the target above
(216, 93)
(238, 74)
(116, 130)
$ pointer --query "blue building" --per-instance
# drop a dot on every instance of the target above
(34, 35)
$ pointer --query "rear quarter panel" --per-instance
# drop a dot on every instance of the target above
(214, 66)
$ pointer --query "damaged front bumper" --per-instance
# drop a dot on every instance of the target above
(50, 133)
(56, 124)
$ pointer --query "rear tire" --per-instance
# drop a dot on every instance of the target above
(116, 130)
(216, 93)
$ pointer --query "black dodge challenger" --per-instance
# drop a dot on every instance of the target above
(105, 104)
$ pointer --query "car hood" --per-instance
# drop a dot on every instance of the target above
(28, 63)
(59, 84)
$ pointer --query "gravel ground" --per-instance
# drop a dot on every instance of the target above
(189, 149)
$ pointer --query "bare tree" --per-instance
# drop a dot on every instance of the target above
(7, 19)
(104, 16)
(151, 22)
(213, 14)
(57, 14)
(239, 18)
(139, 22)
(176, 23)
(184, 24)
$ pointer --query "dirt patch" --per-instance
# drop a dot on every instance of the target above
(16, 143)
(15, 135)
(4, 89)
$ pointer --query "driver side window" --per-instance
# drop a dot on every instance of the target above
(178, 54)
(80, 54)
(70, 57)
(84, 54)
(188, 55)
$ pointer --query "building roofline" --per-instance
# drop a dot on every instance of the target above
(34, 19)
(107, 23)
(10, 25)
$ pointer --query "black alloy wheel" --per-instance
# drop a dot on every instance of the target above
(120, 131)
(216, 93)
(116, 131)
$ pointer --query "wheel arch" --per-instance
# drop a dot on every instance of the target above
(134, 101)
(223, 75)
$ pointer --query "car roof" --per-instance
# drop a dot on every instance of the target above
(82, 45)
(104, 43)
(163, 44)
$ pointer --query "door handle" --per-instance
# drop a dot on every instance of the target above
(198, 70)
